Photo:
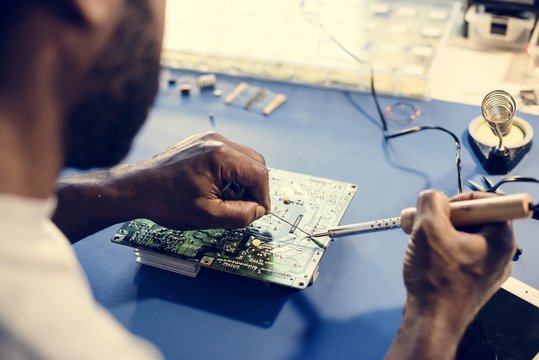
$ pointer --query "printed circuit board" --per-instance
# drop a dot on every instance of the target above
(269, 249)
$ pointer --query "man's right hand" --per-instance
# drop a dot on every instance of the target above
(443, 264)
(449, 275)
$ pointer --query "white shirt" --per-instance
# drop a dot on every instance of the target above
(47, 310)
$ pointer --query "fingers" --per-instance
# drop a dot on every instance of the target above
(432, 215)
(500, 240)
(249, 173)
(209, 137)
(499, 235)
(242, 149)
(233, 213)
(473, 195)
(242, 165)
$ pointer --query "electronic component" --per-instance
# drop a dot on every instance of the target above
(206, 81)
(254, 98)
(269, 249)
(185, 89)
(171, 263)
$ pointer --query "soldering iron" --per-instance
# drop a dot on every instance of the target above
(467, 212)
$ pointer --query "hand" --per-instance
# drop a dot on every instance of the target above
(181, 187)
(449, 275)
(460, 269)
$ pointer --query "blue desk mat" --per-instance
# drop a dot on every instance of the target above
(354, 308)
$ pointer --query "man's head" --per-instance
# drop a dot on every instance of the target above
(92, 63)
(118, 91)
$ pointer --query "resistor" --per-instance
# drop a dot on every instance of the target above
(206, 81)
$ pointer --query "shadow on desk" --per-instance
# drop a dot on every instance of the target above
(251, 302)
(367, 336)
(223, 294)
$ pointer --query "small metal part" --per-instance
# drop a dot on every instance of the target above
(217, 92)
(296, 223)
(206, 260)
(490, 185)
(232, 191)
(320, 234)
(487, 181)
(498, 108)
(361, 228)
(256, 242)
(309, 236)
(476, 186)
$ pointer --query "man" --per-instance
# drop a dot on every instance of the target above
(76, 80)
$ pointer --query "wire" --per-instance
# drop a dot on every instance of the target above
(534, 208)
(510, 179)
(371, 71)
(457, 145)
(386, 134)
(401, 113)
(309, 236)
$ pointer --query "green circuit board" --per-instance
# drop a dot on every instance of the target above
(269, 249)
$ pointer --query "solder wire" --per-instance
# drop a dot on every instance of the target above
(387, 135)
(300, 229)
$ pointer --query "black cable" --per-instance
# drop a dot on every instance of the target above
(510, 179)
(534, 208)
(357, 59)
(439, 128)
(379, 108)
(371, 70)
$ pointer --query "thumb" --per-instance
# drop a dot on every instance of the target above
(433, 213)
(237, 213)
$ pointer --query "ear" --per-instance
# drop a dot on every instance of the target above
(93, 12)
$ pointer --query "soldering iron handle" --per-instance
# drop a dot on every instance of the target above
(479, 211)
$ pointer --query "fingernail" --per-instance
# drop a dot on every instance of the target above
(260, 211)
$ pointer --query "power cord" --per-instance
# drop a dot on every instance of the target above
(386, 133)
